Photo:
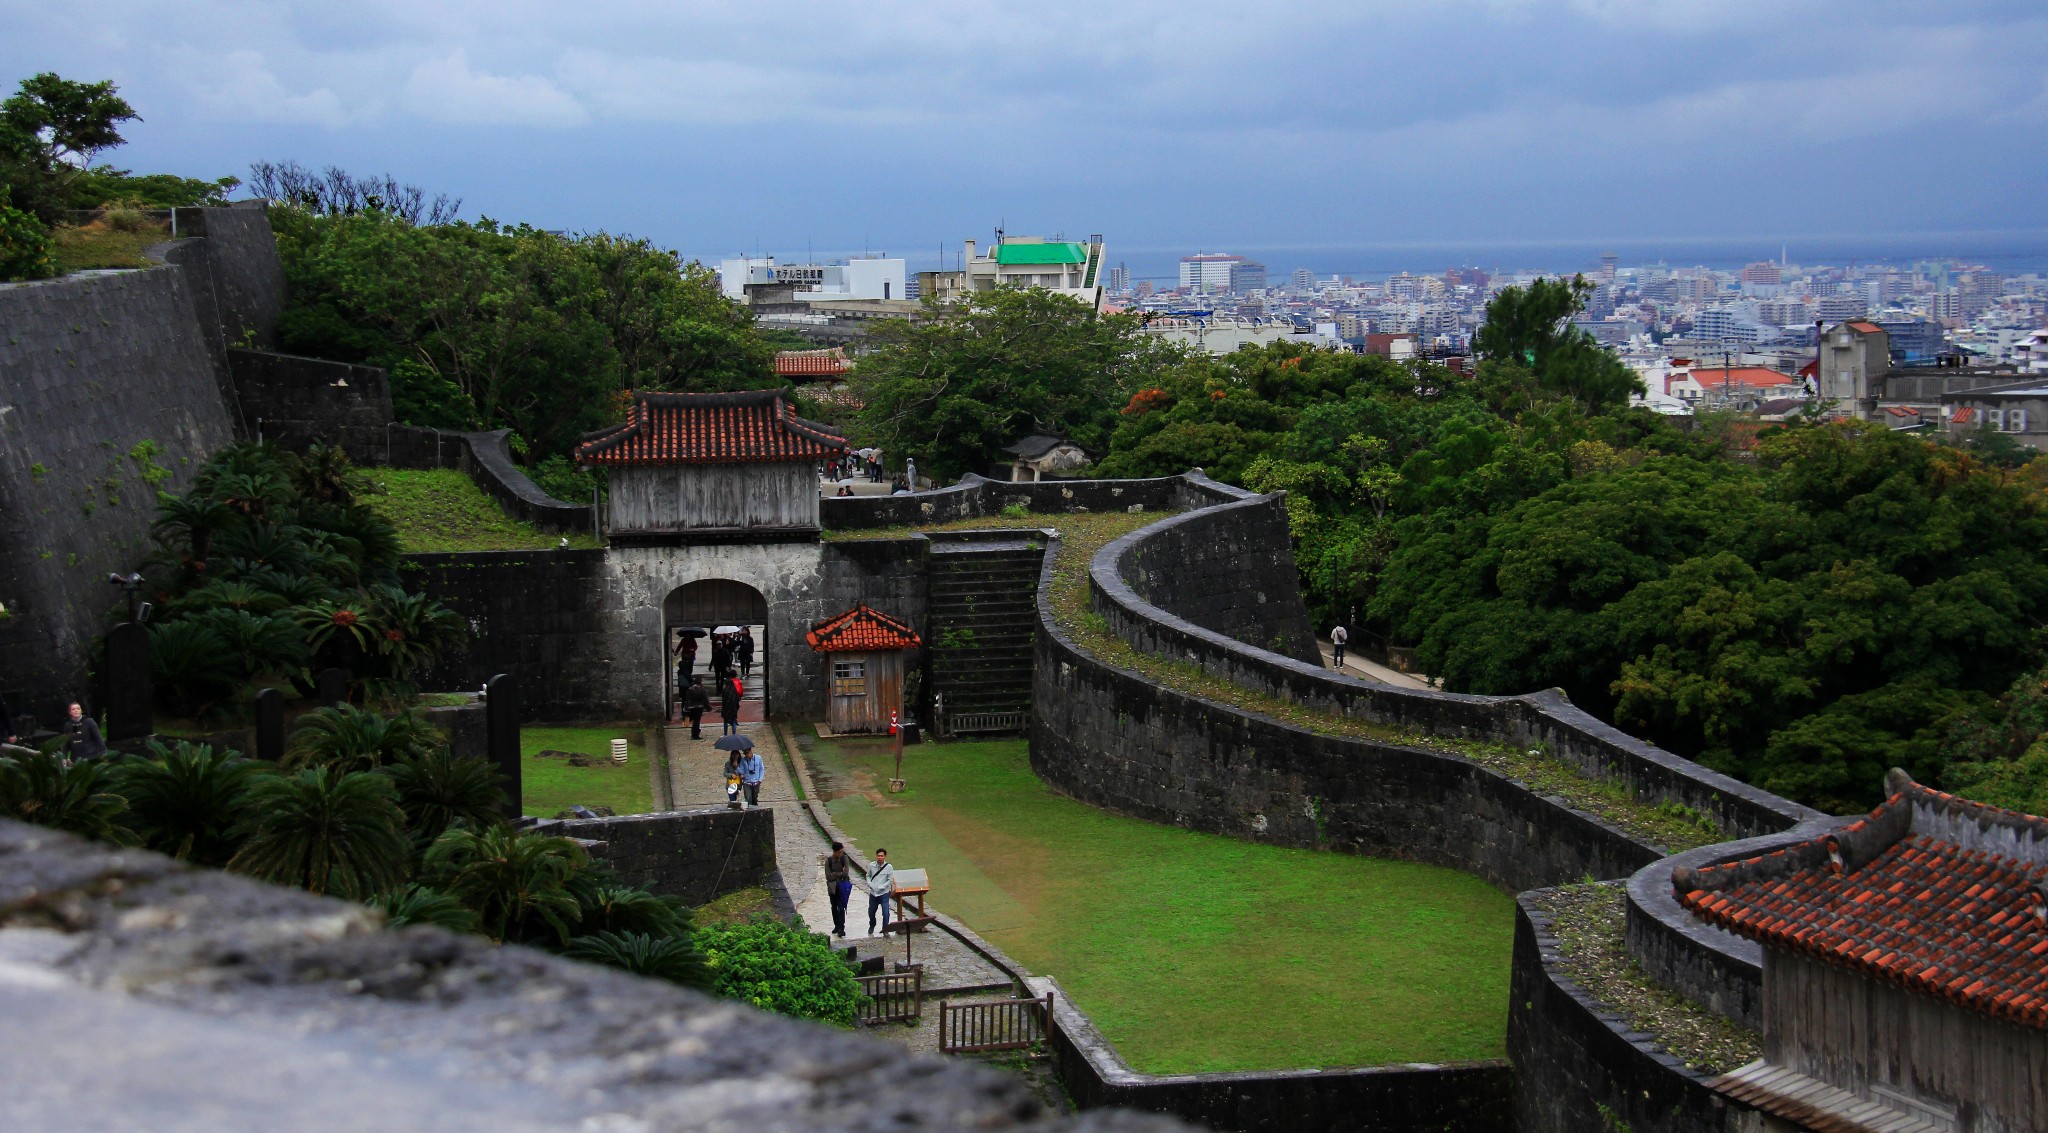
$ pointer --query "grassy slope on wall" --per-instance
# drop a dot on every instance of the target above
(444, 510)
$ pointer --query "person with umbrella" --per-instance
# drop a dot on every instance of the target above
(686, 655)
(729, 706)
(747, 762)
(744, 650)
(732, 767)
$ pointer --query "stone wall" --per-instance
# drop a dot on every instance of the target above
(1455, 1098)
(697, 855)
(976, 496)
(1580, 1067)
(148, 995)
(299, 402)
(531, 614)
(94, 370)
(1230, 569)
(1597, 749)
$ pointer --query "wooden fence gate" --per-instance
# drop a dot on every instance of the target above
(1006, 1024)
(891, 998)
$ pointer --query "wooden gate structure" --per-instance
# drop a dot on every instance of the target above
(894, 998)
(1005, 1024)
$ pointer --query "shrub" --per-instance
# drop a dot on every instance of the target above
(519, 885)
(26, 249)
(437, 790)
(327, 833)
(417, 904)
(780, 969)
(622, 909)
(188, 800)
(39, 788)
(672, 958)
(347, 738)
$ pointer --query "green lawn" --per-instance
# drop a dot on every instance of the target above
(1192, 952)
(551, 786)
(443, 510)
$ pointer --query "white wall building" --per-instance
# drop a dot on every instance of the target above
(1063, 267)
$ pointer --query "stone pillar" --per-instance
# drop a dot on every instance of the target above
(501, 707)
(270, 725)
(129, 714)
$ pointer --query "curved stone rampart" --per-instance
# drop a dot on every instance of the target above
(1580, 1067)
(976, 497)
(1597, 749)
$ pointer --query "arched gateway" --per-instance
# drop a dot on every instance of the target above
(712, 521)
(696, 618)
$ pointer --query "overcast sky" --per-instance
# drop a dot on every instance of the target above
(722, 126)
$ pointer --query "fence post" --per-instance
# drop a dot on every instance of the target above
(942, 1026)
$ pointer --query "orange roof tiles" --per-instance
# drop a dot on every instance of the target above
(1866, 328)
(1755, 377)
(1963, 416)
(812, 363)
(1894, 897)
(864, 629)
(710, 428)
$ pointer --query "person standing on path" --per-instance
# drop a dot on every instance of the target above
(732, 780)
(686, 659)
(696, 702)
(728, 707)
(839, 871)
(881, 886)
(744, 650)
(1338, 637)
(752, 771)
(86, 741)
(721, 656)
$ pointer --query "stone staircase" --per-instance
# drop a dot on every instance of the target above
(983, 613)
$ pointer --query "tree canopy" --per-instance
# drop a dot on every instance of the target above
(954, 386)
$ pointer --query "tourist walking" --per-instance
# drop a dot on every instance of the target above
(1338, 636)
(729, 707)
(752, 771)
(721, 656)
(839, 870)
(881, 884)
(86, 741)
(696, 702)
(686, 658)
(733, 779)
(744, 651)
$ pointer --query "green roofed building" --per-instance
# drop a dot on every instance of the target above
(1065, 266)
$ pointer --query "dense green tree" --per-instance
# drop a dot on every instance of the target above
(955, 385)
(439, 790)
(50, 130)
(1532, 327)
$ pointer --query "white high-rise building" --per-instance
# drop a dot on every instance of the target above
(1207, 273)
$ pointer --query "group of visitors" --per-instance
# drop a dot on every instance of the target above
(732, 665)
(879, 880)
(83, 739)
(744, 772)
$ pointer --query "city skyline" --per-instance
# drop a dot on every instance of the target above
(721, 129)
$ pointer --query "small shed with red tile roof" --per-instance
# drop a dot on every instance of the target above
(865, 649)
(1905, 961)
(727, 466)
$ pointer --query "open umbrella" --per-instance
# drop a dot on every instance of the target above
(690, 632)
(726, 629)
(734, 742)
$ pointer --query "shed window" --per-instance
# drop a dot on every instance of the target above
(849, 678)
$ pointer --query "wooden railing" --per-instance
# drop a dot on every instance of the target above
(963, 723)
(891, 998)
(1006, 1024)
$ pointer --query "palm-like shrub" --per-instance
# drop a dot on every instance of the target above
(39, 788)
(188, 800)
(258, 643)
(520, 885)
(347, 738)
(624, 909)
(417, 904)
(325, 832)
(438, 790)
(190, 521)
(189, 663)
(672, 958)
(412, 629)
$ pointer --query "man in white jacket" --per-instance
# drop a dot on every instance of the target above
(881, 884)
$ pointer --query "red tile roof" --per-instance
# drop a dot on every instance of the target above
(1963, 416)
(1928, 892)
(1755, 377)
(1902, 411)
(812, 363)
(711, 428)
(864, 629)
(1866, 328)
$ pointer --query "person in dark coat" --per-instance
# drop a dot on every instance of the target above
(839, 870)
(744, 651)
(721, 656)
(696, 702)
(729, 707)
(86, 741)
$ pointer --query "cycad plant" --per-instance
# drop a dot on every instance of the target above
(347, 738)
(520, 885)
(672, 958)
(624, 909)
(39, 788)
(438, 790)
(325, 832)
(188, 800)
(417, 904)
